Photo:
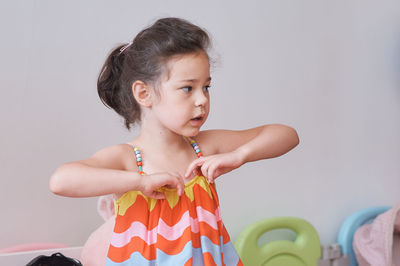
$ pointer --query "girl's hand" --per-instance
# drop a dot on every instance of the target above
(151, 183)
(215, 165)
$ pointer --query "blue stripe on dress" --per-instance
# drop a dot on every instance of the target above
(163, 259)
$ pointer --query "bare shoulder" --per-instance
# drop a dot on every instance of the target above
(119, 157)
(223, 140)
(206, 141)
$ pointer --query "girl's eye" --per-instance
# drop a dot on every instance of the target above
(206, 88)
(187, 89)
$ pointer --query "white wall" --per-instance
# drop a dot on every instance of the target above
(328, 68)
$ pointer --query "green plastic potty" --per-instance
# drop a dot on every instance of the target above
(305, 250)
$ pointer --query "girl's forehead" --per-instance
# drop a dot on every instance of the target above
(188, 67)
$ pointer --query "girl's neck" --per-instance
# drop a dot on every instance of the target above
(155, 140)
(163, 150)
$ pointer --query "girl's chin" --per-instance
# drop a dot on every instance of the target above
(193, 132)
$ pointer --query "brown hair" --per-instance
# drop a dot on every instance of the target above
(145, 59)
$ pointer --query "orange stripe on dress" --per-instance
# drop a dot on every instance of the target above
(189, 262)
(208, 259)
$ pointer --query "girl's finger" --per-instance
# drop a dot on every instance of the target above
(204, 169)
(180, 185)
(176, 182)
(211, 171)
(196, 163)
(157, 195)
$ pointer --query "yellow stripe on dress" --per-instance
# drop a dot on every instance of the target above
(171, 195)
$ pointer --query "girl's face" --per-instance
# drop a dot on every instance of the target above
(184, 101)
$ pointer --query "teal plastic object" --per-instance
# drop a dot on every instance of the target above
(351, 224)
(304, 251)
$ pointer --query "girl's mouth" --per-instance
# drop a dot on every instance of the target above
(198, 118)
(197, 121)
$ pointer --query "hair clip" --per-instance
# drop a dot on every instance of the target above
(123, 48)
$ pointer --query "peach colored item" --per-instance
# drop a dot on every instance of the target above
(95, 250)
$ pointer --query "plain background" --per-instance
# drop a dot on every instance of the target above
(330, 69)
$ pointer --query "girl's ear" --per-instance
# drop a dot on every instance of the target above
(141, 92)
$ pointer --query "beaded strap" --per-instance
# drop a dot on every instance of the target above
(139, 161)
(195, 147)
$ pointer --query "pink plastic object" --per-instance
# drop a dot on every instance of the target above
(31, 246)
(378, 243)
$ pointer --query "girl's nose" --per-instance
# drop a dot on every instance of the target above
(201, 98)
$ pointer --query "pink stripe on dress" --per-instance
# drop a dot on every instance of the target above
(137, 229)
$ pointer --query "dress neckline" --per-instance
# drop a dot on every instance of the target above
(139, 160)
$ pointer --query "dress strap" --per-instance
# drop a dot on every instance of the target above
(195, 147)
(138, 156)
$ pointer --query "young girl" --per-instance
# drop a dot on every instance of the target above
(167, 210)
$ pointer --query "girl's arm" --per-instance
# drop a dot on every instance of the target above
(105, 173)
(231, 149)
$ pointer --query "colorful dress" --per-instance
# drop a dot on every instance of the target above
(177, 230)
